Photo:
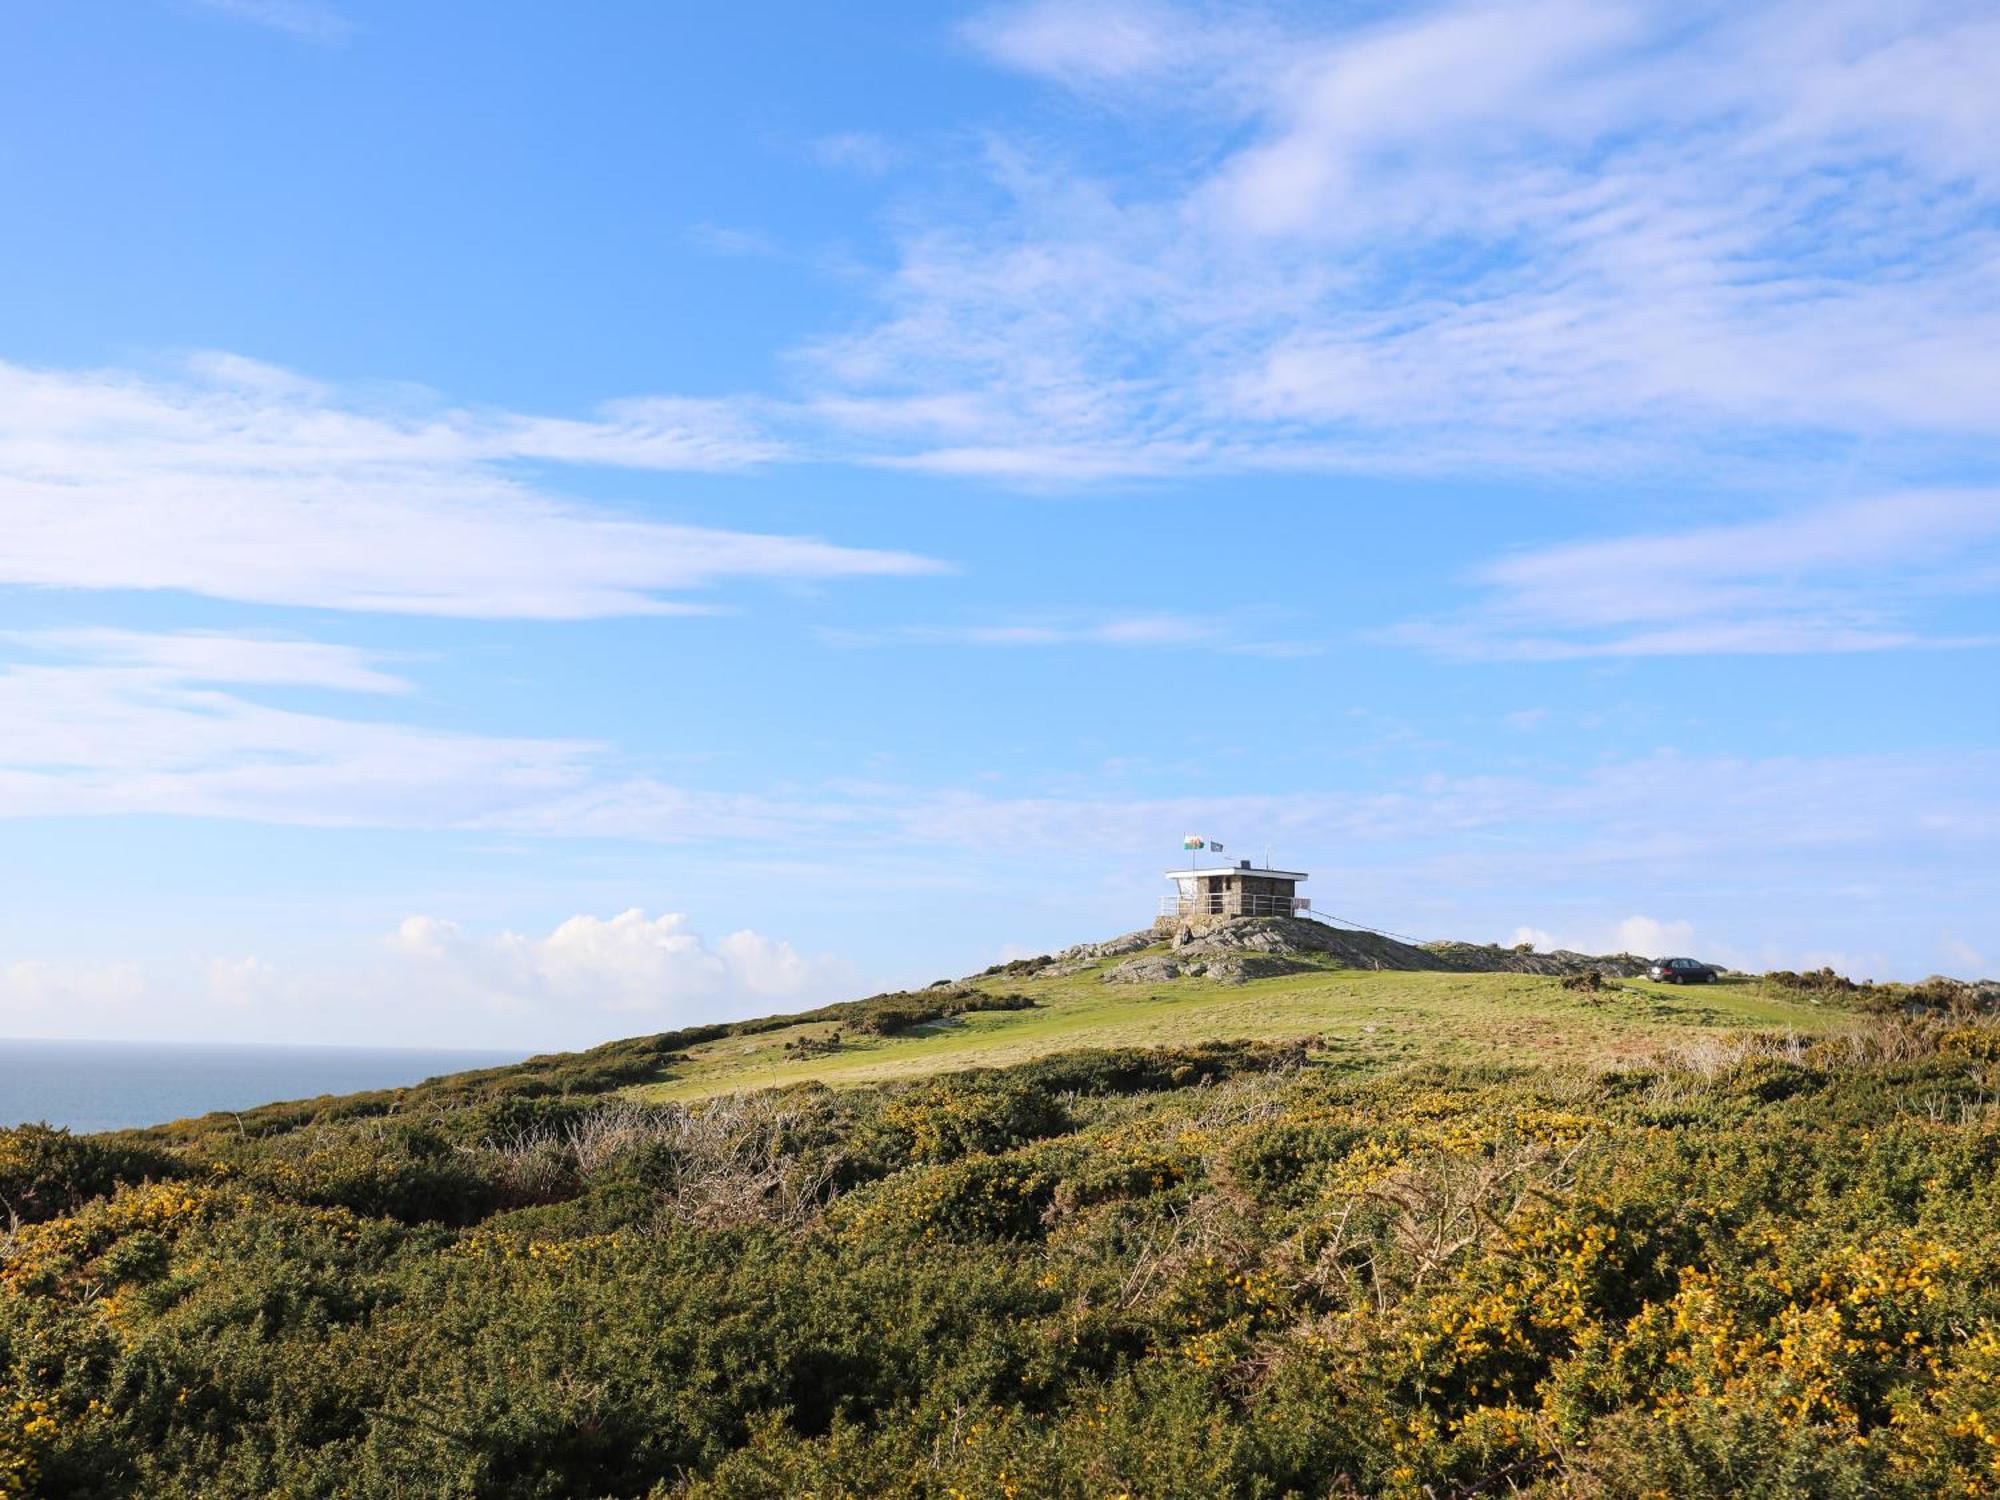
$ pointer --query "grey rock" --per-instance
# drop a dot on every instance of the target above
(1233, 949)
(1075, 960)
(1148, 970)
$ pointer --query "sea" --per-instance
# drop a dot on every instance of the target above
(116, 1085)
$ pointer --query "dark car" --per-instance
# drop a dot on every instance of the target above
(1681, 971)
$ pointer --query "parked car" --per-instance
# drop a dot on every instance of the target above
(1682, 971)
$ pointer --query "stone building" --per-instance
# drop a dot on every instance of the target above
(1238, 890)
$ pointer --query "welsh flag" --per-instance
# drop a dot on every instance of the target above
(1194, 841)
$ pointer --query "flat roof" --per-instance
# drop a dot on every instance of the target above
(1237, 870)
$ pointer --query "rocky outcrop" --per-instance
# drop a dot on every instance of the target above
(1229, 968)
(1491, 958)
(1941, 992)
(1238, 948)
(1233, 949)
(1083, 955)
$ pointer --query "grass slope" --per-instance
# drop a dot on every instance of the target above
(1368, 1018)
(1488, 1235)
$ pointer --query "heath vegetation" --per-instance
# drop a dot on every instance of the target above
(1726, 1262)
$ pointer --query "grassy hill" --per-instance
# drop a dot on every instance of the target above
(1363, 1017)
(1177, 1222)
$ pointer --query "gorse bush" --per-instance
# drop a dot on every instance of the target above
(45, 1173)
(1940, 995)
(1756, 1267)
(1937, 995)
(1813, 982)
(885, 1015)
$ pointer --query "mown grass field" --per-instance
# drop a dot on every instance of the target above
(1369, 1018)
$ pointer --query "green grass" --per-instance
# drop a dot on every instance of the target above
(1369, 1018)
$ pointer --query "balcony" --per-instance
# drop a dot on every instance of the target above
(1234, 904)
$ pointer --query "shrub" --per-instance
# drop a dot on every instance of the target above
(814, 1046)
(1940, 995)
(411, 1173)
(1813, 982)
(47, 1172)
(1765, 1267)
(886, 1015)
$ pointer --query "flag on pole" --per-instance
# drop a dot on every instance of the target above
(1213, 847)
(1193, 841)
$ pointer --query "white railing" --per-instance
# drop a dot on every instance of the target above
(1234, 904)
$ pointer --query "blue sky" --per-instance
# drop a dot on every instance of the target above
(521, 529)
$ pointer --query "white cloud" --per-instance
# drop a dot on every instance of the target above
(1852, 576)
(167, 724)
(1646, 819)
(1413, 89)
(1137, 631)
(1750, 950)
(210, 656)
(139, 730)
(1648, 937)
(144, 723)
(1566, 234)
(1653, 938)
(721, 239)
(48, 998)
(306, 19)
(245, 482)
(133, 732)
(860, 151)
(1589, 582)
(1122, 630)
(639, 971)
(433, 982)
(1971, 962)
(1112, 41)
(243, 984)
(1754, 860)
(1575, 233)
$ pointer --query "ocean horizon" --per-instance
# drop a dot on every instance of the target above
(88, 1086)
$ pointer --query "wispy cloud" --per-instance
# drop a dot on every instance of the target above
(124, 722)
(613, 969)
(57, 998)
(197, 656)
(175, 725)
(1152, 631)
(1657, 809)
(1854, 576)
(307, 19)
(1114, 43)
(434, 980)
(1128, 630)
(245, 482)
(1968, 959)
(104, 723)
(1575, 234)
(862, 152)
(722, 239)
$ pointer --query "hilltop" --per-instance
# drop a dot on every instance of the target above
(1251, 1209)
(1363, 997)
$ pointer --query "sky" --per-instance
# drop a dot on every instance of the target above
(526, 525)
